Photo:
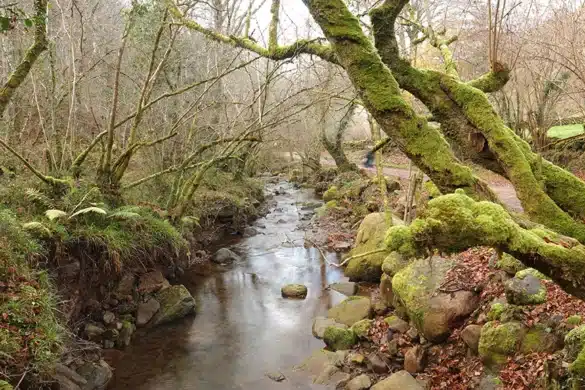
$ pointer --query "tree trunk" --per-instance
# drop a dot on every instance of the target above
(335, 149)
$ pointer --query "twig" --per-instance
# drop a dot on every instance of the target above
(322, 253)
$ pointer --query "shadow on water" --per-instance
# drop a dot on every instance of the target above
(244, 327)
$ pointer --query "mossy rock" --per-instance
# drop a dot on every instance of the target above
(574, 320)
(575, 342)
(509, 264)
(504, 312)
(394, 263)
(386, 290)
(5, 385)
(331, 194)
(498, 341)
(577, 367)
(332, 204)
(431, 189)
(362, 328)
(540, 339)
(351, 310)
(297, 291)
(175, 302)
(531, 271)
(338, 339)
(527, 290)
(370, 237)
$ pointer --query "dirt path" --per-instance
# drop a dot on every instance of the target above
(505, 192)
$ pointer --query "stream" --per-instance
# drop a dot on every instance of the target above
(243, 327)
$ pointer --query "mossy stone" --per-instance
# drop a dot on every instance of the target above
(394, 263)
(575, 342)
(540, 339)
(362, 328)
(527, 290)
(498, 341)
(298, 291)
(575, 320)
(175, 302)
(509, 264)
(331, 194)
(531, 271)
(351, 310)
(370, 237)
(338, 339)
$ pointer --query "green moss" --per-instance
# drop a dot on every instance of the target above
(496, 311)
(509, 264)
(332, 204)
(339, 339)
(331, 194)
(5, 385)
(577, 368)
(575, 320)
(361, 328)
(575, 342)
(531, 271)
(394, 263)
(431, 189)
(539, 339)
(497, 342)
(370, 237)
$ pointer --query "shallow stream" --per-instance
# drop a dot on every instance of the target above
(243, 328)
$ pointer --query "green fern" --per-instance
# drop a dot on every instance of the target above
(86, 210)
(38, 228)
(53, 214)
(124, 215)
(38, 197)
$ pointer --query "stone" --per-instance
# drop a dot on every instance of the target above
(528, 290)
(470, 335)
(125, 336)
(377, 364)
(67, 378)
(276, 376)
(126, 285)
(509, 264)
(111, 334)
(379, 306)
(320, 324)
(339, 339)
(97, 375)
(351, 310)
(322, 365)
(250, 232)
(394, 263)
(346, 288)
(362, 328)
(93, 332)
(360, 382)
(386, 290)
(175, 302)
(356, 358)
(415, 359)
(413, 334)
(297, 291)
(531, 271)
(574, 342)
(370, 237)
(109, 344)
(490, 382)
(540, 338)
(397, 324)
(417, 289)
(151, 282)
(146, 311)
(574, 320)
(109, 318)
(331, 194)
(498, 341)
(225, 256)
(392, 347)
(400, 380)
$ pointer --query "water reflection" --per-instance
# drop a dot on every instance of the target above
(244, 328)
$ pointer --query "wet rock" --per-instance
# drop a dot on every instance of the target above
(498, 341)
(360, 382)
(470, 335)
(126, 285)
(386, 289)
(93, 332)
(125, 336)
(362, 328)
(298, 291)
(320, 324)
(351, 310)
(314, 365)
(276, 376)
(66, 378)
(397, 324)
(250, 232)
(330, 374)
(97, 375)
(175, 302)
(525, 291)
(370, 237)
(379, 306)
(151, 282)
(225, 256)
(346, 288)
(377, 364)
(417, 290)
(415, 359)
(401, 380)
(339, 339)
(109, 318)
(146, 310)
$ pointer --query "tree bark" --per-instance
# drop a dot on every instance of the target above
(335, 149)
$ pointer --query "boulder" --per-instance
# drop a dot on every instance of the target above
(175, 302)
(490, 382)
(574, 342)
(351, 310)
(470, 335)
(370, 237)
(377, 364)
(298, 291)
(146, 310)
(93, 332)
(396, 324)
(339, 339)
(498, 341)
(509, 264)
(386, 289)
(152, 282)
(345, 288)
(360, 382)
(97, 375)
(415, 359)
(322, 365)
(225, 256)
(527, 290)
(539, 338)
(417, 290)
(531, 271)
(362, 328)
(401, 380)
(320, 324)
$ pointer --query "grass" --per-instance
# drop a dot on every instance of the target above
(566, 131)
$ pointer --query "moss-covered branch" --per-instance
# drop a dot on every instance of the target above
(39, 45)
(455, 222)
(492, 81)
(78, 162)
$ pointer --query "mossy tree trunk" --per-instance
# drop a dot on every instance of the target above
(335, 148)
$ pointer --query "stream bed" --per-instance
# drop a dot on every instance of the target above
(243, 327)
